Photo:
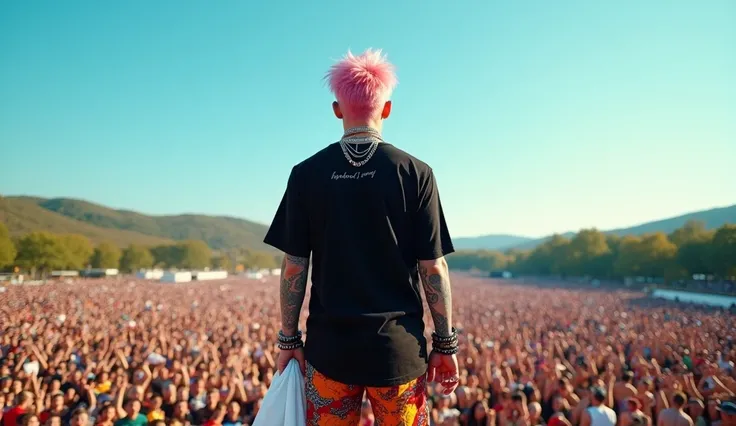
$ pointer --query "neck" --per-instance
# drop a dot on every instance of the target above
(351, 124)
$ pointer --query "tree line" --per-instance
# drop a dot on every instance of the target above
(45, 251)
(691, 249)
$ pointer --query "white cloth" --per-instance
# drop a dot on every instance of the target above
(285, 403)
(602, 416)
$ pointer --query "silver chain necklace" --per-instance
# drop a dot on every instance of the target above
(356, 157)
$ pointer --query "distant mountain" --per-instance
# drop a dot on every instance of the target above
(97, 222)
(712, 218)
(489, 242)
(122, 227)
(24, 215)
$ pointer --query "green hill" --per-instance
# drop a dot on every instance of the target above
(23, 215)
(123, 227)
(712, 218)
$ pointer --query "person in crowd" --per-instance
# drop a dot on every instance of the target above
(23, 406)
(623, 391)
(58, 408)
(535, 413)
(675, 415)
(30, 419)
(155, 411)
(598, 414)
(105, 415)
(561, 412)
(369, 217)
(480, 415)
(696, 411)
(80, 417)
(728, 413)
(217, 415)
(633, 414)
(233, 418)
(129, 413)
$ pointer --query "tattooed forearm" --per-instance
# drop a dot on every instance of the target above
(293, 288)
(436, 283)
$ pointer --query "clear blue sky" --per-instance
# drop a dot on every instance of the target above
(537, 116)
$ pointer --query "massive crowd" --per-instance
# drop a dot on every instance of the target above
(130, 352)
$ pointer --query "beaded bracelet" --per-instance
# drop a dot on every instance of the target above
(446, 351)
(290, 346)
(445, 345)
(445, 348)
(289, 339)
(445, 339)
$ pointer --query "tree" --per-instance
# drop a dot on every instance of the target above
(194, 254)
(220, 262)
(136, 257)
(693, 230)
(658, 256)
(259, 260)
(106, 256)
(485, 260)
(693, 257)
(628, 261)
(652, 255)
(166, 256)
(587, 254)
(548, 258)
(722, 257)
(77, 251)
(7, 248)
(40, 251)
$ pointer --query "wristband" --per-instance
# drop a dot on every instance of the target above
(290, 346)
(448, 351)
(289, 339)
(445, 345)
(442, 339)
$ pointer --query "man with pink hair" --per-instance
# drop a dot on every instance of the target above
(369, 216)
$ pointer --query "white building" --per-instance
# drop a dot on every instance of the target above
(176, 277)
(150, 274)
(209, 275)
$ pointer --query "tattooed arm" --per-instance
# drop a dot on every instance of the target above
(293, 288)
(436, 281)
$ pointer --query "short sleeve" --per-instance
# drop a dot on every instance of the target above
(289, 231)
(431, 236)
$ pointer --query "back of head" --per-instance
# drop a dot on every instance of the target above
(25, 398)
(599, 396)
(638, 420)
(362, 84)
(535, 408)
(628, 377)
(679, 399)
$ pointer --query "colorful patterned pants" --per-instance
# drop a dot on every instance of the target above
(330, 403)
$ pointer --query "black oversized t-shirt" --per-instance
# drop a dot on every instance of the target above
(366, 228)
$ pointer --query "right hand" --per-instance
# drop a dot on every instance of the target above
(286, 356)
(443, 369)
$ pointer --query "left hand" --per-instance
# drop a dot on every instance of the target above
(443, 369)
(286, 356)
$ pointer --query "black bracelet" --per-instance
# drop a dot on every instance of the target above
(446, 351)
(289, 339)
(445, 345)
(290, 346)
(442, 339)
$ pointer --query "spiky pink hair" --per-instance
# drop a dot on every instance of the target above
(363, 83)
